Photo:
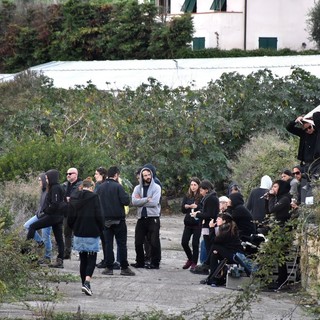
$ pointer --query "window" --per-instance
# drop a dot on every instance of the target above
(219, 5)
(268, 43)
(164, 5)
(198, 43)
(189, 6)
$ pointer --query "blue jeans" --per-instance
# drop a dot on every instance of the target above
(46, 236)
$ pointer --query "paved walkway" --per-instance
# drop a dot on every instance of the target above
(170, 289)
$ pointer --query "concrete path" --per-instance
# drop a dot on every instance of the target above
(170, 289)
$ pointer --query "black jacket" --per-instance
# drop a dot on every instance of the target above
(85, 216)
(54, 198)
(280, 205)
(291, 127)
(113, 198)
(209, 209)
(225, 238)
(188, 220)
(241, 215)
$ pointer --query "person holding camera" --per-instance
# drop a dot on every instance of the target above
(306, 127)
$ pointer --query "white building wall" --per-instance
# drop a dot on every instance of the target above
(229, 27)
(282, 19)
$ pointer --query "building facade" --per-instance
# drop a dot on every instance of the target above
(245, 24)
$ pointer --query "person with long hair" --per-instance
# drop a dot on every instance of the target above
(87, 222)
(226, 243)
(192, 226)
(45, 238)
(53, 215)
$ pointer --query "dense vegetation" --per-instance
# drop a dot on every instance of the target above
(182, 131)
(33, 32)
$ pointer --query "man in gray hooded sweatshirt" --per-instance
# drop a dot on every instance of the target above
(146, 197)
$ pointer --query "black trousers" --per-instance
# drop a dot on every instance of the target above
(54, 221)
(195, 233)
(150, 228)
(87, 264)
(119, 232)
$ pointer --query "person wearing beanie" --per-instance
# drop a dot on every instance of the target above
(241, 216)
(255, 203)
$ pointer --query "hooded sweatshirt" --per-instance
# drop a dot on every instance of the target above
(255, 203)
(54, 198)
(241, 215)
(42, 195)
(85, 215)
(140, 196)
(280, 204)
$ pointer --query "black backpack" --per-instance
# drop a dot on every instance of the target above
(219, 276)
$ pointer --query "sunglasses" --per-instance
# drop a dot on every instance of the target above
(307, 128)
(297, 172)
(70, 173)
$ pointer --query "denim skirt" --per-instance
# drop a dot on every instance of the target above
(86, 244)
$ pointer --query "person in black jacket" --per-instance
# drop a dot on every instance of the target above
(241, 216)
(86, 220)
(192, 226)
(209, 209)
(226, 243)
(53, 215)
(307, 128)
(113, 198)
(278, 203)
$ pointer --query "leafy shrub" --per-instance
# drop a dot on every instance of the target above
(42, 155)
(264, 154)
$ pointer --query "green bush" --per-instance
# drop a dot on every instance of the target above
(42, 154)
(265, 154)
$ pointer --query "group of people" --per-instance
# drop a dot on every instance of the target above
(228, 221)
(82, 213)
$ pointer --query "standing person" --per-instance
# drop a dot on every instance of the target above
(255, 203)
(146, 246)
(307, 128)
(278, 203)
(146, 197)
(209, 209)
(70, 187)
(192, 226)
(205, 263)
(287, 175)
(86, 220)
(53, 215)
(100, 176)
(46, 232)
(113, 199)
